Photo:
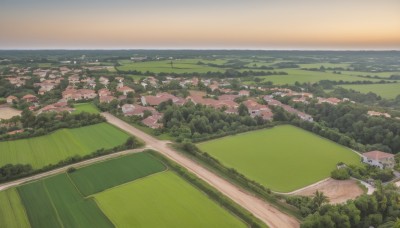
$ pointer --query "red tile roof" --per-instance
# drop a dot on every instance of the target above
(377, 155)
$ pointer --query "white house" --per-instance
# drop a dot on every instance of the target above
(379, 159)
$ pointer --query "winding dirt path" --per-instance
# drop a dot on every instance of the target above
(259, 208)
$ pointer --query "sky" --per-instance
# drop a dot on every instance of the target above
(206, 24)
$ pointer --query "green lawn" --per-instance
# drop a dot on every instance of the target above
(389, 91)
(163, 200)
(12, 212)
(284, 158)
(85, 107)
(55, 202)
(304, 76)
(51, 148)
(179, 66)
(101, 176)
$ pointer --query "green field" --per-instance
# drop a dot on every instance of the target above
(51, 148)
(159, 200)
(179, 66)
(86, 107)
(12, 212)
(163, 200)
(101, 176)
(57, 203)
(284, 158)
(303, 76)
(372, 74)
(388, 91)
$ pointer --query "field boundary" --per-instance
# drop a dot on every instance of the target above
(53, 172)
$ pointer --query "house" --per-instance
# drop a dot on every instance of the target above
(289, 109)
(125, 90)
(373, 113)
(74, 94)
(152, 121)
(379, 159)
(30, 98)
(103, 80)
(256, 109)
(161, 97)
(244, 93)
(11, 99)
(104, 92)
(331, 100)
(136, 110)
(106, 99)
(56, 107)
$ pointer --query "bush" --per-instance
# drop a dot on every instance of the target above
(71, 169)
(340, 174)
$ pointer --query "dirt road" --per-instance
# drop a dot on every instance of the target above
(259, 208)
(63, 169)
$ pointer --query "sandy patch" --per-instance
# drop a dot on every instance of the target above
(337, 191)
(7, 112)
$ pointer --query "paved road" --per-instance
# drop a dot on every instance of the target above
(262, 210)
(63, 169)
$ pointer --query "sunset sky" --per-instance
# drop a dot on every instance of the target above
(208, 24)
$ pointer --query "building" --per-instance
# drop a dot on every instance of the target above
(79, 94)
(106, 99)
(379, 159)
(136, 110)
(330, 100)
(11, 99)
(373, 113)
(56, 107)
(161, 97)
(152, 121)
(30, 98)
(125, 90)
(244, 93)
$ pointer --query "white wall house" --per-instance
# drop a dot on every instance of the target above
(379, 159)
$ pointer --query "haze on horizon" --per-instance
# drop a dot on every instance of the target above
(207, 24)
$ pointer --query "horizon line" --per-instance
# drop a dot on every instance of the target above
(200, 49)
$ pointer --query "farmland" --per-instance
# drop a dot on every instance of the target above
(99, 177)
(163, 200)
(303, 76)
(132, 198)
(56, 146)
(284, 158)
(57, 203)
(389, 91)
(12, 212)
(86, 107)
(179, 66)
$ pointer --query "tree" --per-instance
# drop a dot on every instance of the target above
(319, 199)
(242, 110)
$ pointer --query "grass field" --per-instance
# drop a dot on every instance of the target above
(304, 76)
(380, 74)
(12, 212)
(388, 91)
(163, 200)
(284, 158)
(85, 107)
(50, 149)
(160, 200)
(101, 176)
(179, 66)
(57, 203)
